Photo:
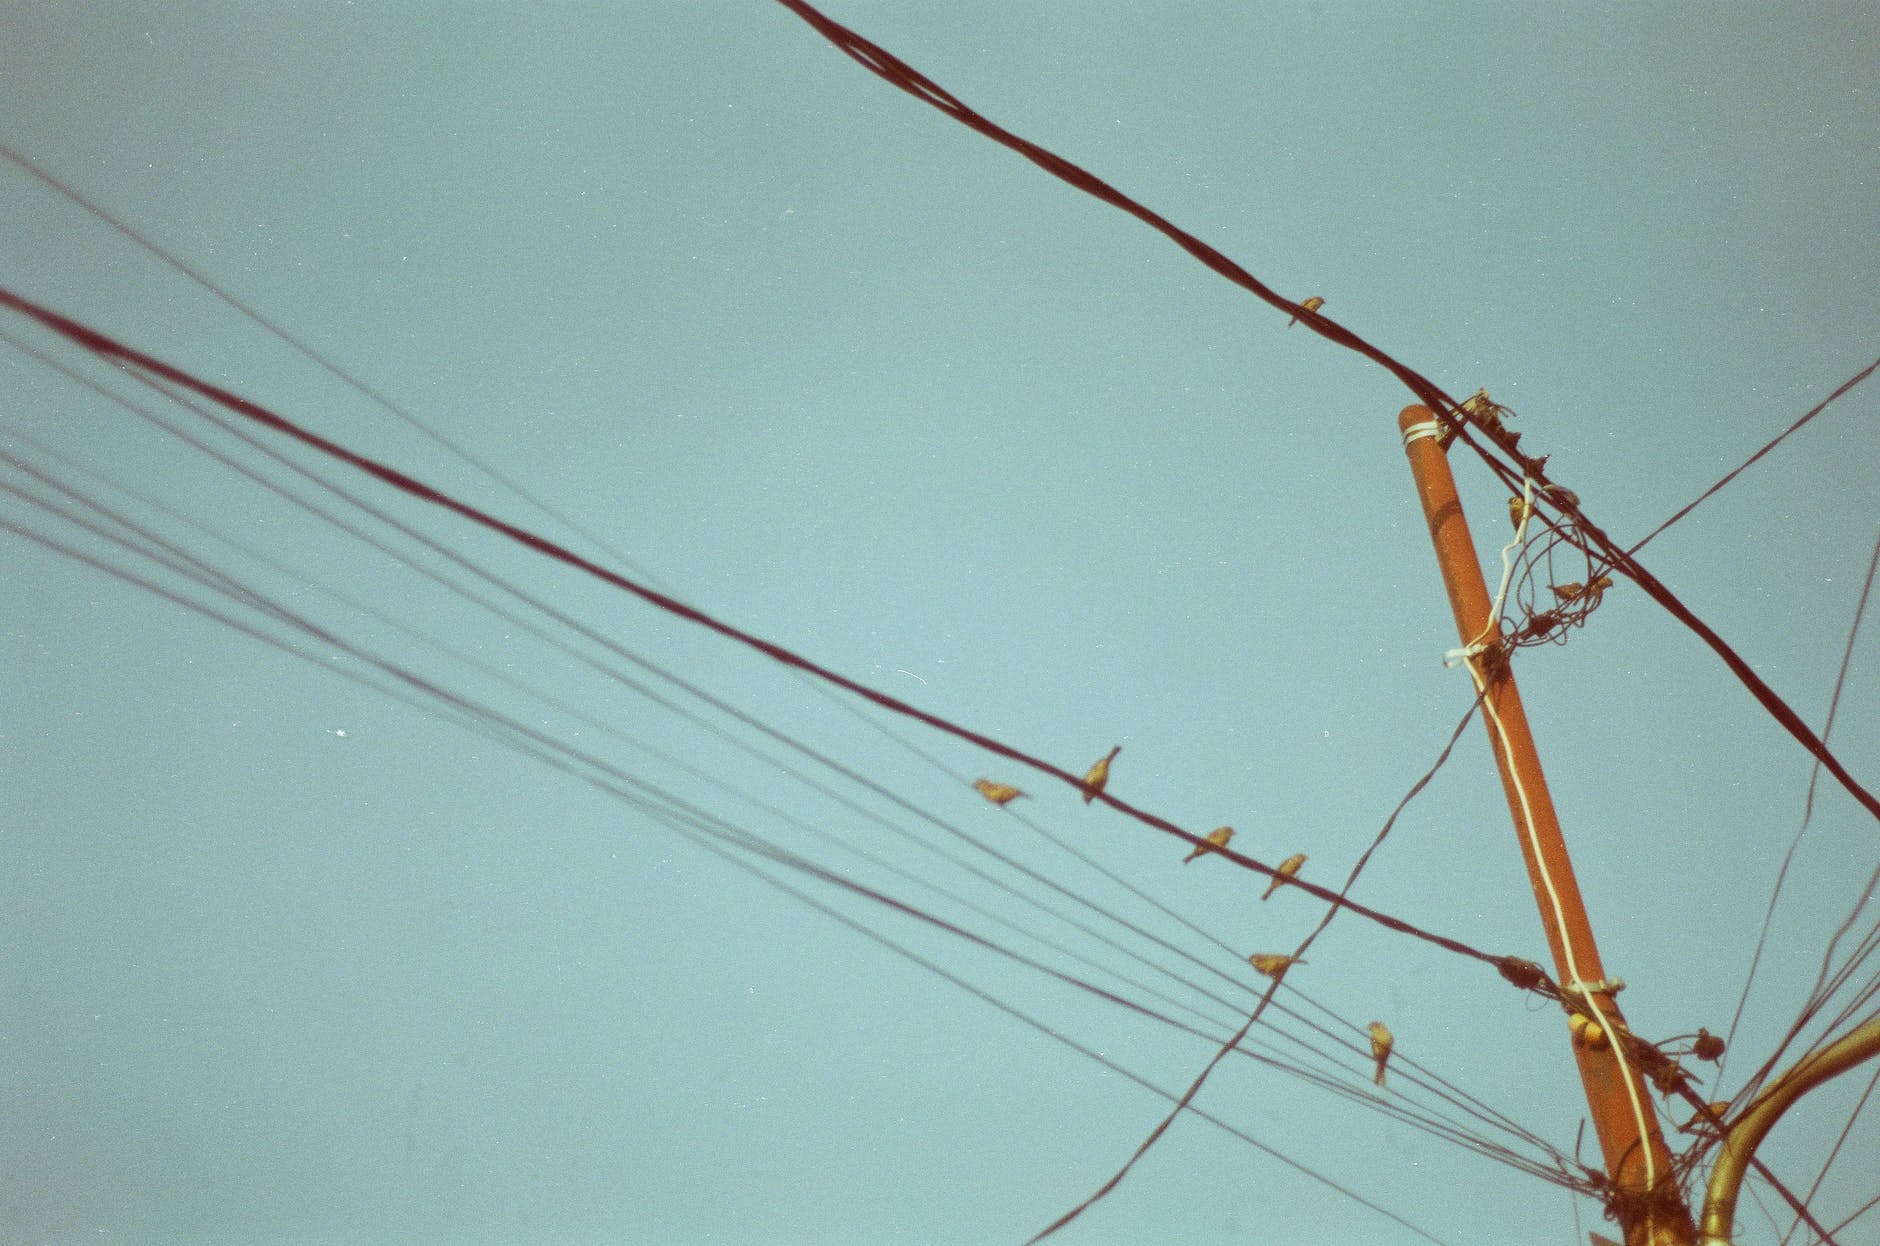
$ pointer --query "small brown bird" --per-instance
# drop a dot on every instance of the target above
(1707, 1046)
(997, 793)
(1286, 870)
(1312, 304)
(1217, 838)
(1701, 1122)
(1575, 590)
(1272, 964)
(1518, 509)
(1561, 494)
(1381, 1041)
(1098, 775)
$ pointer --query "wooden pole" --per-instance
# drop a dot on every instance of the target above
(1646, 1199)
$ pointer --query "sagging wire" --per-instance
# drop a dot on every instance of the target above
(389, 552)
(647, 797)
(880, 61)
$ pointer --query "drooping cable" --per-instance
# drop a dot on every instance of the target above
(892, 69)
(108, 347)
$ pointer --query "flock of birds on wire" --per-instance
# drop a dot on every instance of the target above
(1272, 964)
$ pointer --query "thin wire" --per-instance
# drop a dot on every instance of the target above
(1816, 995)
(1194, 1087)
(332, 368)
(891, 68)
(1427, 1122)
(680, 816)
(103, 345)
(1835, 1151)
(1777, 440)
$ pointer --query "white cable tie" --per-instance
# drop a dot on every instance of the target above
(1605, 986)
(1417, 432)
(1456, 657)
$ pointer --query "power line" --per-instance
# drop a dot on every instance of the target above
(1194, 1087)
(1474, 1142)
(891, 68)
(105, 346)
(694, 822)
(1771, 444)
(350, 379)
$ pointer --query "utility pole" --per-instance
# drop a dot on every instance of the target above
(1645, 1197)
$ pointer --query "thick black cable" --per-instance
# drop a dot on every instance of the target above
(1433, 1124)
(1429, 1080)
(709, 831)
(108, 347)
(355, 383)
(1194, 1087)
(891, 68)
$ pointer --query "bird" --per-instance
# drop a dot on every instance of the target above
(1272, 964)
(1703, 1122)
(1560, 493)
(1518, 509)
(998, 793)
(1098, 775)
(1312, 304)
(1707, 1045)
(1286, 870)
(1217, 838)
(1381, 1040)
(1574, 590)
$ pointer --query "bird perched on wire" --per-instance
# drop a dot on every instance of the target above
(1312, 304)
(998, 793)
(1381, 1040)
(1286, 870)
(1098, 775)
(1705, 1121)
(1574, 590)
(1707, 1046)
(1272, 964)
(1217, 838)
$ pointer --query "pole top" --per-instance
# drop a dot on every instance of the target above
(1416, 422)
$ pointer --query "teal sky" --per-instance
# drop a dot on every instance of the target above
(290, 960)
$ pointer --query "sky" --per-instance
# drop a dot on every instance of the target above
(294, 957)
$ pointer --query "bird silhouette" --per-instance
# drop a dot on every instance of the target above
(1098, 775)
(1286, 870)
(1381, 1040)
(1217, 838)
(997, 793)
(1272, 964)
(1312, 304)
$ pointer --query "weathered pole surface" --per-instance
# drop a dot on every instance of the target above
(1650, 1207)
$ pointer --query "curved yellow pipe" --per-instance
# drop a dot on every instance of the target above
(1739, 1145)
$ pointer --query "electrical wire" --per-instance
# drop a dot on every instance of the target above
(1773, 442)
(1456, 420)
(1298, 954)
(1441, 1130)
(1821, 989)
(535, 744)
(106, 347)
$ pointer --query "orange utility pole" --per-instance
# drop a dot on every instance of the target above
(1649, 1205)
